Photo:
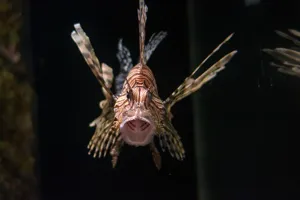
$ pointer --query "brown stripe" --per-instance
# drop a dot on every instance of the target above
(137, 77)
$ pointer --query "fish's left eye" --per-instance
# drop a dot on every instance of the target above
(129, 95)
(149, 97)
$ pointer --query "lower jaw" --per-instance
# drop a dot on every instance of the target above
(131, 142)
(133, 134)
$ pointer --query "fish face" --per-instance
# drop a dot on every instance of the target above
(137, 125)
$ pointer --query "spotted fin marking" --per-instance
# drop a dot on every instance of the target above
(154, 41)
(125, 61)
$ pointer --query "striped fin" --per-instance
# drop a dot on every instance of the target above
(154, 41)
(108, 75)
(169, 137)
(289, 57)
(172, 141)
(106, 127)
(284, 55)
(191, 85)
(286, 36)
(124, 57)
(294, 32)
(125, 60)
(115, 151)
(155, 155)
(84, 45)
(142, 17)
(105, 135)
(286, 70)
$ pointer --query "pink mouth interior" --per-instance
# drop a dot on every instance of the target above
(137, 132)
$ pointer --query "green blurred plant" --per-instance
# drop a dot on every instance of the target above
(17, 163)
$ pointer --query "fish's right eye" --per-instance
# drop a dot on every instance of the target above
(129, 95)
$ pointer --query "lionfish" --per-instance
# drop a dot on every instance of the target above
(135, 114)
(289, 58)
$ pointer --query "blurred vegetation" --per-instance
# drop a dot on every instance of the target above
(17, 162)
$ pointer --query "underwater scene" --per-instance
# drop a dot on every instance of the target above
(149, 99)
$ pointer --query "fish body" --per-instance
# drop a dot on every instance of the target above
(136, 114)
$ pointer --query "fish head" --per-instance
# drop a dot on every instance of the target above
(137, 122)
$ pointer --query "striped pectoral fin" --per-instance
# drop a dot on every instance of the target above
(294, 71)
(289, 72)
(115, 151)
(191, 85)
(107, 110)
(99, 137)
(295, 32)
(288, 37)
(289, 58)
(284, 55)
(107, 130)
(211, 72)
(169, 139)
(103, 73)
(155, 155)
(107, 74)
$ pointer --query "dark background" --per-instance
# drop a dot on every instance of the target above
(248, 112)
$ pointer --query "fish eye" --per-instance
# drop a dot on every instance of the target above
(149, 98)
(149, 95)
(129, 94)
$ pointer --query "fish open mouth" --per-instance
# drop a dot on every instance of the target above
(137, 131)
